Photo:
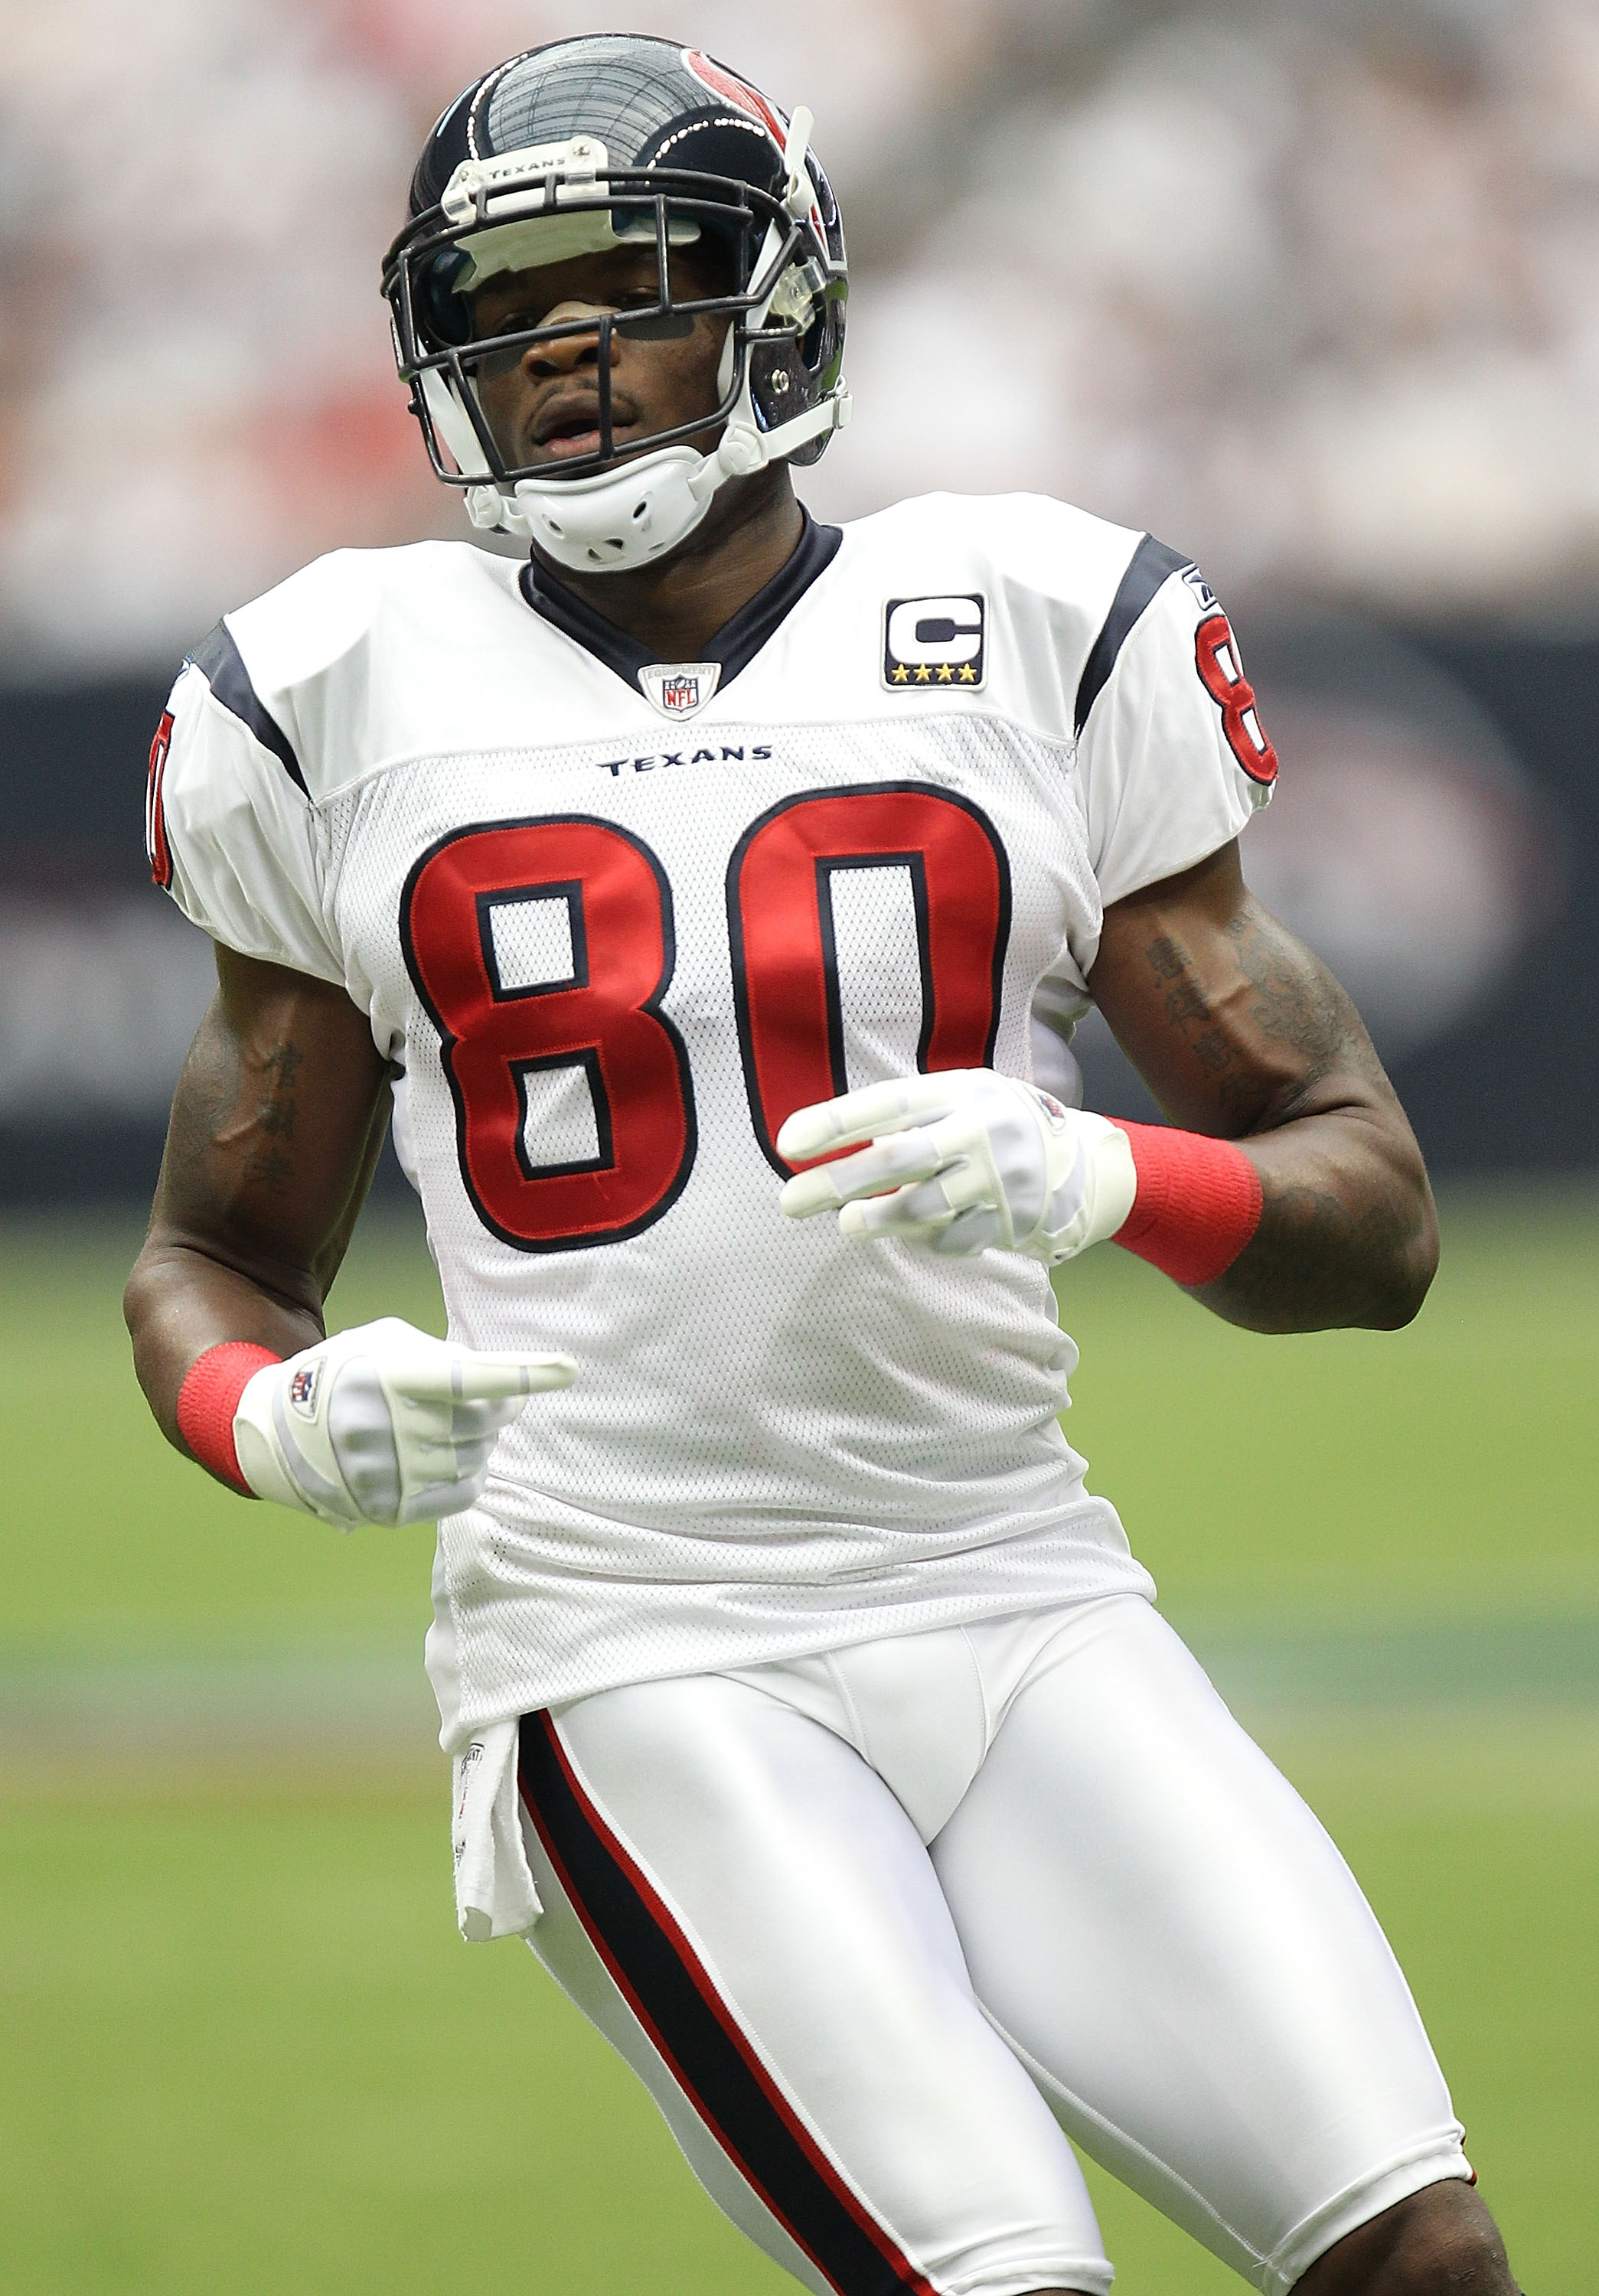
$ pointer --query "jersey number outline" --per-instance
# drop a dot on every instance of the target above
(156, 846)
(780, 928)
(605, 1017)
(1221, 674)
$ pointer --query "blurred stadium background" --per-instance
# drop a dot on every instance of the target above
(1311, 291)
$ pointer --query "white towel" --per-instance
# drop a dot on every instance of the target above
(495, 1896)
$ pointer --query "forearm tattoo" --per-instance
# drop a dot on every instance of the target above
(271, 1166)
(1345, 1233)
(233, 1121)
(1291, 1001)
(1189, 1012)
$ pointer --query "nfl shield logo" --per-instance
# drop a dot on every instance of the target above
(303, 1385)
(679, 688)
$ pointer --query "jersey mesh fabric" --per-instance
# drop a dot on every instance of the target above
(781, 1441)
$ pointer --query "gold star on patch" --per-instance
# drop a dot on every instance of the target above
(901, 674)
(968, 675)
(944, 673)
(924, 675)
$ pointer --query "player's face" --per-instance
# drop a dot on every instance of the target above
(543, 405)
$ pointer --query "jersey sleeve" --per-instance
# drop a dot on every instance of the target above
(1172, 759)
(231, 831)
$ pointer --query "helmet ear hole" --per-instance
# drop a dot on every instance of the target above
(779, 384)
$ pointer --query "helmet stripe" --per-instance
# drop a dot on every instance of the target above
(734, 90)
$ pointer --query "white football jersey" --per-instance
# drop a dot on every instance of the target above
(616, 919)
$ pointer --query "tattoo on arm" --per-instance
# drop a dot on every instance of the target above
(1296, 1002)
(1190, 1015)
(271, 1166)
(278, 1122)
(1271, 1047)
(1291, 1001)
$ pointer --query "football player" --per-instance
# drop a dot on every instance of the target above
(699, 885)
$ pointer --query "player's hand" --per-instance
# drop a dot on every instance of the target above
(383, 1424)
(964, 1160)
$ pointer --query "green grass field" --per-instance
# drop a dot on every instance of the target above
(245, 2049)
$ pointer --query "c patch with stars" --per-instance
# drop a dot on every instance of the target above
(934, 641)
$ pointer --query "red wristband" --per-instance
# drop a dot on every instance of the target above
(1197, 1206)
(207, 1399)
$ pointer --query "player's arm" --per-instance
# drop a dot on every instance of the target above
(1288, 1194)
(276, 1128)
(1242, 1034)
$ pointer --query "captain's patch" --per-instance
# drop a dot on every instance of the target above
(933, 641)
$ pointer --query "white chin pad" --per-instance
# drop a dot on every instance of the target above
(621, 517)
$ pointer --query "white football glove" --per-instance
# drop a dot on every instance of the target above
(972, 1159)
(383, 1424)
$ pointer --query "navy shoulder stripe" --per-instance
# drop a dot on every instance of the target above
(1152, 562)
(223, 665)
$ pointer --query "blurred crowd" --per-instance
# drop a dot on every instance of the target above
(1308, 288)
(1312, 289)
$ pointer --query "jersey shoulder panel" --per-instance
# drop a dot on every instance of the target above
(1034, 540)
(1172, 760)
(230, 830)
(344, 657)
(1047, 574)
(298, 692)
(1108, 641)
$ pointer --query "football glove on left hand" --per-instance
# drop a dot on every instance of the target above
(970, 1160)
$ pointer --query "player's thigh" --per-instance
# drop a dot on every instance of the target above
(1160, 1925)
(740, 1905)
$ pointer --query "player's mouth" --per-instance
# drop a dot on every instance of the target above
(571, 428)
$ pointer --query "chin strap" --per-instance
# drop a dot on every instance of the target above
(621, 518)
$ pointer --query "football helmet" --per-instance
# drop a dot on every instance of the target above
(581, 146)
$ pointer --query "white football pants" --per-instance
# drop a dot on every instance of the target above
(875, 1928)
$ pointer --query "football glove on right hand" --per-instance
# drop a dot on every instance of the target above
(382, 1424)
(963, 1160)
